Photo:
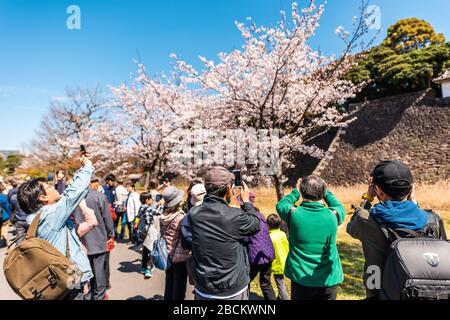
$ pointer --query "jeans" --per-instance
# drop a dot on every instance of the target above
(99, 282)
(281, 285)
(176, 281)
(265, 274)
(299, 292)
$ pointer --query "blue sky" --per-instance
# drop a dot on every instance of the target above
(40, 57)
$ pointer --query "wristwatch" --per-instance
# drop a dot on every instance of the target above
(367, 197)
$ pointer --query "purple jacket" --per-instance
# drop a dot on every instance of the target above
(260, 248)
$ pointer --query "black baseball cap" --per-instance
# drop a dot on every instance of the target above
(393, 177)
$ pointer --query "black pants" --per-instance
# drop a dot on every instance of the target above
(299, 292)
(176, 280)
(99, 282)
(265, 275)
(146, 261)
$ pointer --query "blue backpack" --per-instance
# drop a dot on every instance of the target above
(160, 255)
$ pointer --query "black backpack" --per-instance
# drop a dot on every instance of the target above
(418, 264)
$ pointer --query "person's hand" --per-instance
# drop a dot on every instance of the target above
(110, 244)
(299, 182)
(245, 193)
(86, 159)
(371, 188)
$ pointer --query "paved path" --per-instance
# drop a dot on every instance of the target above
(126, 281)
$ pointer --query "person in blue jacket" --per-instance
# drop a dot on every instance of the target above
(36, 196)
(5, 213)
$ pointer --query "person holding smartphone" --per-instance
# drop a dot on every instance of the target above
(217, 234)
(37, 196)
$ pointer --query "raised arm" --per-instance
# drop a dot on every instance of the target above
(335, 205)
(285, 204)
(72, 196)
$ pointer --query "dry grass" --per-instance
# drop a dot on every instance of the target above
(436, 197)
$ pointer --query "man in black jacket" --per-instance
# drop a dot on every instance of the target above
(219, 234)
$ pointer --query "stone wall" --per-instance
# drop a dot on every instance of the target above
(414, 128)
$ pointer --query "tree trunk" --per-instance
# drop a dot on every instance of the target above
(278, 187)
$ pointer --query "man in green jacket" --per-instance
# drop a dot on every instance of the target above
(313, 263)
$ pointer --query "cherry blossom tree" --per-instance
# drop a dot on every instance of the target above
(276, 84)
(277, 81)
(147, 115)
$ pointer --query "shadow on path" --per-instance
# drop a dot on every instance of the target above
(130, 266)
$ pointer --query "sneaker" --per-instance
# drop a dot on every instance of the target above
(148, 274)
(143, 270)
(153, 268)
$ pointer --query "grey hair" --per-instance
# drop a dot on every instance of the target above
(313, 188)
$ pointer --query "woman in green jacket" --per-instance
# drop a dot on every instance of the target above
(313, 263)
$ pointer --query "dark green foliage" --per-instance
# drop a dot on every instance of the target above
(13, 162)
(389, 71)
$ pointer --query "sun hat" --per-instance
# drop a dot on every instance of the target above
(172, 196)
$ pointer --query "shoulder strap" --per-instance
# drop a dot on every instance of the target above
(395, 234)
(410, 233)
(438, 225)
(443, 233)
(32, 230)
(67, 243)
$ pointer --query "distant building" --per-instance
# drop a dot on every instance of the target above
(444, 81)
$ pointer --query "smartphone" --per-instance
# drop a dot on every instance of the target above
(237, 178)
(50, 176)
(83, 149)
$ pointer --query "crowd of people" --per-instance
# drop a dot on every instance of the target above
(217, 247)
